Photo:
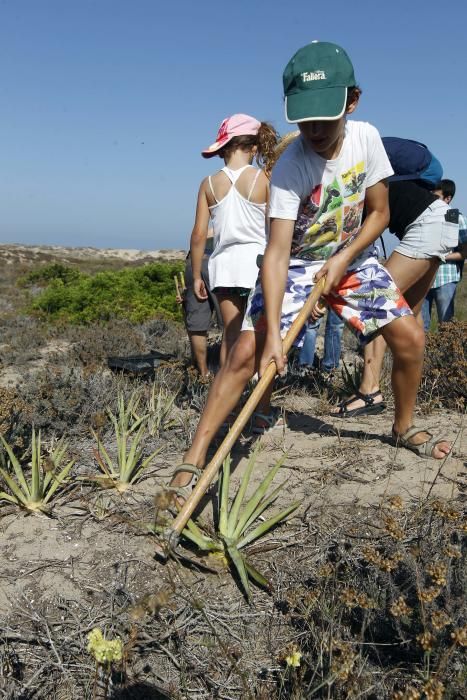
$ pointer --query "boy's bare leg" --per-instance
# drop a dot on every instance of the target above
(199, 350)
(224, 395)
(406, 339)
(414, 278)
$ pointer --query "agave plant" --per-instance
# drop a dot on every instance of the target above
(34, 494)
(129, 465)
(351, 377)
(159, 410)
(239, 525)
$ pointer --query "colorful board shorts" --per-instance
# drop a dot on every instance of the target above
(367, 299)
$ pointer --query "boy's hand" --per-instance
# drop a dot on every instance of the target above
(318, 310)
(273, 352)
(334, 269)
(200, 289)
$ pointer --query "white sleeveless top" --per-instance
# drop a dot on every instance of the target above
(239, 227)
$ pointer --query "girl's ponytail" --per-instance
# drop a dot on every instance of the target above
(267, 140)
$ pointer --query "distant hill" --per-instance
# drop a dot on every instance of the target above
(12, 254)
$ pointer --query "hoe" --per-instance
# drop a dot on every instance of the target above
(172, 534)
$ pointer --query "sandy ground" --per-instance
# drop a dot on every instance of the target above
(329, 463)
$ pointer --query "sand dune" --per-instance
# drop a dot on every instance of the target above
(11, 253)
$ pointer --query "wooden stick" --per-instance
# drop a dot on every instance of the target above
(173, 533)
(182, 280)
(176, 285)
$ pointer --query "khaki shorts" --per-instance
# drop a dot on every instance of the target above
(430, 235)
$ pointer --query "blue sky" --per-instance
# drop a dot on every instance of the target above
(105, 105)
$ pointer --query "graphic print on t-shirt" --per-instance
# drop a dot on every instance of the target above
(353, 181)
(330, 215)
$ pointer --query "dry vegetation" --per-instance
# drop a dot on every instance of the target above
(367, 596)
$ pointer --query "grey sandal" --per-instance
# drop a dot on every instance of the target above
(425, 449)
(184, 492)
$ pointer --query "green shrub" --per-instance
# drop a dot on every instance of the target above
(136, 293)
(47, 273)
(444, 381)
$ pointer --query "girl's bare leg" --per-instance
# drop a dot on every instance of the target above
(224, 395)
(232, 310)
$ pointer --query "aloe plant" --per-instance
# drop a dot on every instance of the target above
(35, 493)
(159, 410)
(239, 525)
(129, 465)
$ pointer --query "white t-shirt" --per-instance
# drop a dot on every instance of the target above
(325, 197)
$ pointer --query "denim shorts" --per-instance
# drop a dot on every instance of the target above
(430, 235)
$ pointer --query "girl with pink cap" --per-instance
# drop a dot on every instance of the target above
(234, 200)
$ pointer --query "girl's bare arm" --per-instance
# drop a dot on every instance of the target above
(198, 240)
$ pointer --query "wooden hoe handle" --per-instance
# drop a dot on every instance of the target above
(173, 533)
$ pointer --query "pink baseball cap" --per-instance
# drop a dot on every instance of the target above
(237, 125)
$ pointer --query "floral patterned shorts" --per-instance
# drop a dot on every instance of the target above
(366, 299)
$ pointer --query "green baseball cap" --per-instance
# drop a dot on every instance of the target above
(315, 82)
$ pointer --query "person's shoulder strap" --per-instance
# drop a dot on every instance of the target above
(253, 184)
(212, 190)
(231, 174)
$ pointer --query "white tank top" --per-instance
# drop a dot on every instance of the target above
(239, 227)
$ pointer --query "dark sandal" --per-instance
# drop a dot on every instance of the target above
(369, 409)
(425, 449)
(273, 421)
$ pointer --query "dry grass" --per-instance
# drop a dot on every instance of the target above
(366, 602)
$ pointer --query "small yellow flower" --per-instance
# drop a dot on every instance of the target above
(294, 658)
(410, 693)
(452, 552)
(400, 608)
(437, 573)
(352, 599)
(440, 619)
(105, 651)
(433, 689)
(343, 660)
(429, 594)
(393, 529)
(452, 514)
(459, 636)
(426, 640)
(396, 503)
(438, 507)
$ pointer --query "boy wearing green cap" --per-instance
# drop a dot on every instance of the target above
(319, 188)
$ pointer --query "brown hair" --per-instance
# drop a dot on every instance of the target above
(353, 93)
(266, 141)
